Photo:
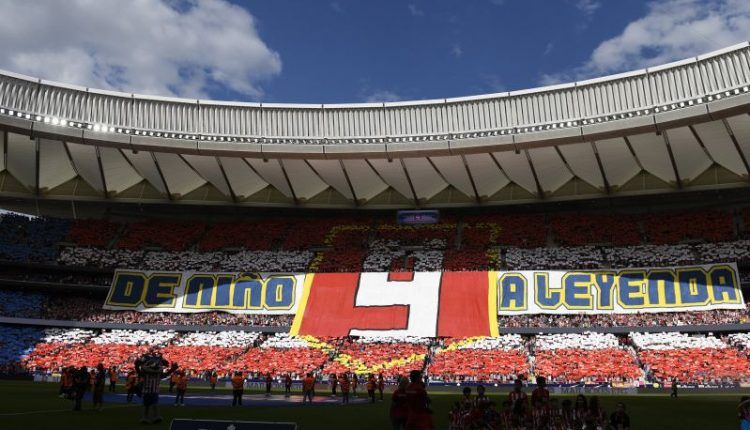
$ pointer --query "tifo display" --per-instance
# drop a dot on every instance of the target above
(365, 295)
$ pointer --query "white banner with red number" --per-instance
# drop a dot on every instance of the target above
(451, 304)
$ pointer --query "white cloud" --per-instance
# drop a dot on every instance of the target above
(380, 96)
(456, 50)
(336, 6)
(167, 47)
(548, 49)
(587, 7)
(670, 30)
(493, 83)
(414, 10)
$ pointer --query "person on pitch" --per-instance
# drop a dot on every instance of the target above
(345, 387)
(131, 382)
(99, 382)
(80, 383)
(371, 387)
(419, 416)
(181, 385)
(287, 385)
(238, 388)
(150, 367)
(540, 393)
(517, 395)
(334, 381)
(112, 379)
(381, 385)
(308, 388)
(173, 381)
(399, 408)
(481, 400)
(269, 384)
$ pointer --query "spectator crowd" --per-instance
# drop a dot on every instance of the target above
(590, 358)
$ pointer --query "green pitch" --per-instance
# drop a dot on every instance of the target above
(35, 406)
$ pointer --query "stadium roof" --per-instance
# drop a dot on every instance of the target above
(680, 126)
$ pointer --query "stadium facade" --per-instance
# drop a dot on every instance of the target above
(681, 126)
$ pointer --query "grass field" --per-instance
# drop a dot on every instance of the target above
(35, 406)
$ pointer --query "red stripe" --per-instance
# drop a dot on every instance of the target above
(463, 304)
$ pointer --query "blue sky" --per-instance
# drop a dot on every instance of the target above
(357, 50)
(342, 51)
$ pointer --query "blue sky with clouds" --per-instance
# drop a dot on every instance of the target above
(355, 50)
(340, 51)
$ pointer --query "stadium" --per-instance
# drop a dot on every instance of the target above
(594, 234)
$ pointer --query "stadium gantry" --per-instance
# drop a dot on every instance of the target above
(679, 126)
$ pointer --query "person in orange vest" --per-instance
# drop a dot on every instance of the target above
(355, 382)
(238, 387)
(212, 378)
(112, 379)
(381, 385)
(66, 382)
(269, 383)
(287, 385)
(345, 386)
(371, 387)
(181, 384)
(130, 383)
(308, 388)
(173, 381)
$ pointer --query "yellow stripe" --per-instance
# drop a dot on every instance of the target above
(492, 303)
(302, 304)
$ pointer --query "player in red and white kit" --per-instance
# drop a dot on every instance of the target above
(419, 414)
